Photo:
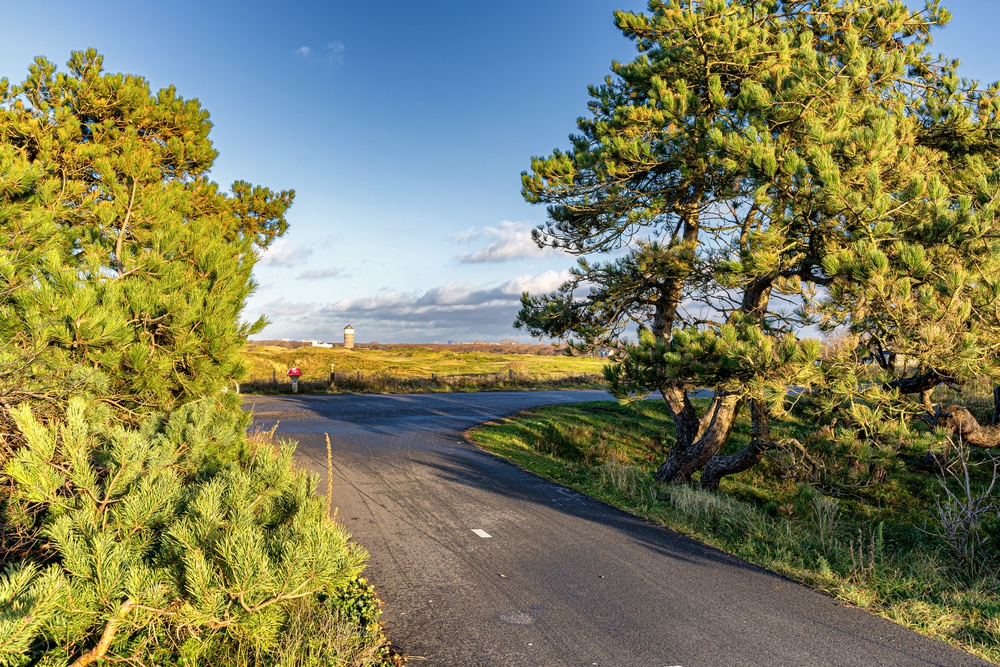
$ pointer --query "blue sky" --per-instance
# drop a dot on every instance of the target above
(402, 126)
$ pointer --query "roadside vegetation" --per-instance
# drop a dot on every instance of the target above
(913, 538)
(762, 171)
(796, 207)
(139, 522)
(419, 368)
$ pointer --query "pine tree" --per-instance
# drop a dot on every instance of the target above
(127, 268)
(746, 148)
(920, 292)
(138, 523)
(136, 541)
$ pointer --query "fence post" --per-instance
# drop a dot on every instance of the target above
(333, 377)
(274, 376)
(510, 374)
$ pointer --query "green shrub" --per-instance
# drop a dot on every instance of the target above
(155, 540)
(166, 541)
(356, 602)
(125, 268)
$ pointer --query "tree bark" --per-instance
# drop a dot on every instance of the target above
(962, 423)
(698, 439)
(925, 400)
(107, 636)
(919, 383)
(760, 441)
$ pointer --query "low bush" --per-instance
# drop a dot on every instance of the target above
(181, 541)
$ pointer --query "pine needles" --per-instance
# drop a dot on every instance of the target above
(159, 534)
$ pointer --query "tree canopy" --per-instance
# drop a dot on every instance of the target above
(126, 267)
(760, 172)
(138, 521)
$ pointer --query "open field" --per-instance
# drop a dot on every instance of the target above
(877, 538)
(408, 368)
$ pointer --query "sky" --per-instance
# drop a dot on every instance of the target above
(403, 127)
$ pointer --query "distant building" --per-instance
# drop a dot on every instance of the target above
(348, 337)
(316, 343)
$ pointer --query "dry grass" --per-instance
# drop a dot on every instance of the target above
(412, 368)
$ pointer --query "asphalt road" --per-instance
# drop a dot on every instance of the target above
(482, 564)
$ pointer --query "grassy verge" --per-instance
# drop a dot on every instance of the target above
(412, 368)
(875, 545)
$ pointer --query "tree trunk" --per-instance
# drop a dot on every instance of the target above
(698, 439)
(996, 405)
(760, 441)
(925, 400)
(918, 383)
(962, 423)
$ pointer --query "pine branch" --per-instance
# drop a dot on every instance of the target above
(107, 636)
(119, 243)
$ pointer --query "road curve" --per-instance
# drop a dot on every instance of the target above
(561, 579)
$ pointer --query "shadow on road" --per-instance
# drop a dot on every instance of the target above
(562, 579)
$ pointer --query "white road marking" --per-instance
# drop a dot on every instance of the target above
(481, 533)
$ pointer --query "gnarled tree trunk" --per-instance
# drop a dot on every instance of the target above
(962, 423)
(760, 441)
(698, 438)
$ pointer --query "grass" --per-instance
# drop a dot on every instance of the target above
(413, 368)
(863, 533)
(344, 630)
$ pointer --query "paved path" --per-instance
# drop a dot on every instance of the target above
(562, 579)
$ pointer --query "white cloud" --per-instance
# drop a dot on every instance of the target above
(453, 311)
(540, 284)
(467, 235)
(320, 274)
(332, 54)
(335, 54)
(452, 294)
(285, 309)
(511, 240)
(284, 254)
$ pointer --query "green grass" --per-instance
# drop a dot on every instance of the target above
(868, 538)
(412, 368)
